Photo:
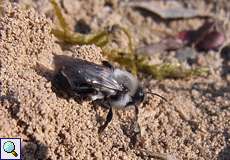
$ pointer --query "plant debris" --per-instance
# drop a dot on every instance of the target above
(168, 9)
(206, 37)
(130, 60)
(159, 71)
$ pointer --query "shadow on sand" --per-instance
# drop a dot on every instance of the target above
(32, 148)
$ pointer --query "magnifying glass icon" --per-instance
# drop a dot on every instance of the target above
(9, 147)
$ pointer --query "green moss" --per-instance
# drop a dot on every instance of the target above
(60, 17)
(167, 70)
(100, 38)
(160, 71)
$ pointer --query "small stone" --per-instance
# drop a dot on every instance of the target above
(195, 93)
(186, 54)
(200, 60)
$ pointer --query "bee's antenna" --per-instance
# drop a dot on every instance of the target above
(155, 94)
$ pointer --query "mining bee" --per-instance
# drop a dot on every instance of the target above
(104, 84)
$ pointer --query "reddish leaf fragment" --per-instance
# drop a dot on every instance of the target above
(207, 37)
(186, 36)
(212, 41)
(193, 36)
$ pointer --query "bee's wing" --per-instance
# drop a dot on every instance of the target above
(97, 76)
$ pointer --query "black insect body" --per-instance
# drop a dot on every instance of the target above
(103, 84)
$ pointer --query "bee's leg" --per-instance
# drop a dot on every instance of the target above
(136, 112)
(137, 128)
(108, 119)
(135, 138)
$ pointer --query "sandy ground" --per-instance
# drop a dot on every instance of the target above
(196, 127)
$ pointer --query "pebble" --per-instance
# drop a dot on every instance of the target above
(186, 54)
(195, 93)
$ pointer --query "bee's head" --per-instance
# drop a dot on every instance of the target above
(139, 95)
